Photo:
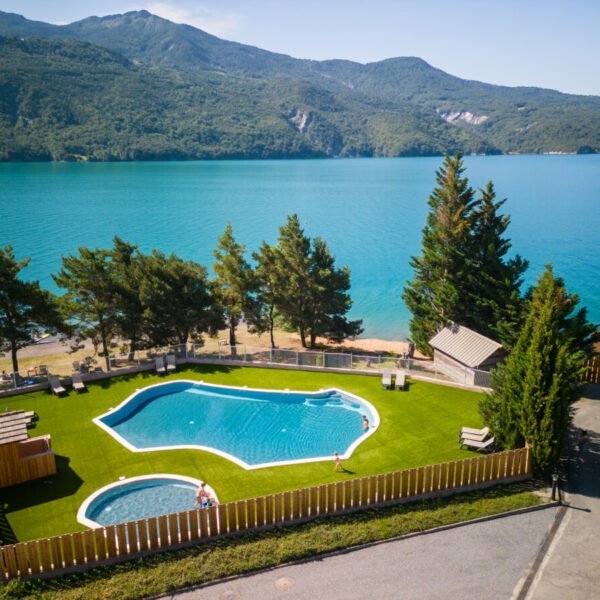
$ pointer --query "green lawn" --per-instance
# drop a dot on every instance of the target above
(418, 427)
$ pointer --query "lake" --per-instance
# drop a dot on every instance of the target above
(370, 211)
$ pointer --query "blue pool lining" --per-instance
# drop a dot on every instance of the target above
(372, 426)
(81, 513)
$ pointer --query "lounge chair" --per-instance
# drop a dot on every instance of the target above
(160, 365)
(472, 431)
(400, 379)
(479, 446)
(477, 437)
(386, 378)
(78, 384)
(171, 363)
(55, 385)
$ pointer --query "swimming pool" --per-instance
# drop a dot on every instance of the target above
(253, 428)
(139, 498)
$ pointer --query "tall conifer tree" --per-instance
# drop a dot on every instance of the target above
(438, 292)
(496, 303)
(235, 281)
(534, 388)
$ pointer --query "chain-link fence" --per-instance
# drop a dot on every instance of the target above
(141, 359)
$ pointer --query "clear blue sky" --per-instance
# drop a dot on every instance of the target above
(552, 43)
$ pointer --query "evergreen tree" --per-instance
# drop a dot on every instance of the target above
(312, 296)
(329, 297)
(534, 389)
(24, 307)
(496, 304)
(89, 300)
(125, 271)
(235, 282)
(179, 301)
(438, 292)
(269, 283)
(293, 267)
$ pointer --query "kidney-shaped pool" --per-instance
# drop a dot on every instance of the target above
(253, 428)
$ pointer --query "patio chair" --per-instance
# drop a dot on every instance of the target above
(78, 384)
(55, 385)
(386, 378)
(477, 437)
(400, 379)
(171, 363)
(479, 446)
(161, 369)
(472, 431)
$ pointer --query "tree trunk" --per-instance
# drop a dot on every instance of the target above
(13, 355)
(302, 337)
(271, 327)
(105, 350)
(132, 349)
(313, 338)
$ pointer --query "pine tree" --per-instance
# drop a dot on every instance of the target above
(89, 299)
(125, 272)
(438, 292)
(329, 298)
(24, 307)
(496, 304)
(180, 303)
(235, 281)
(534, 389)
(269, 283)
(293, 267)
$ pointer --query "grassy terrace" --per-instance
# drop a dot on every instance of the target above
(418, 427)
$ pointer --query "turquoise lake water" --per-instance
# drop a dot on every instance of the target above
(371, 212)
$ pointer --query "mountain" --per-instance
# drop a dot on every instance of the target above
(141, 87)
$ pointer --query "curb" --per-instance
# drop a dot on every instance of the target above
(525, 587)
(349, 549)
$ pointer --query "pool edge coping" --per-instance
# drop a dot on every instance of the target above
(238, 461)
(81, 518)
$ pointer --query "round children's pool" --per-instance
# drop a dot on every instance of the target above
(140, 498)
(253, 428)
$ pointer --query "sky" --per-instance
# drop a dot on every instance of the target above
(552, 44)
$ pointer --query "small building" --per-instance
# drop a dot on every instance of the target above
(23, 458)
(461, 354)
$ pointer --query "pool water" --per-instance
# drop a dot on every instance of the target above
(252, 427)
(140, 500)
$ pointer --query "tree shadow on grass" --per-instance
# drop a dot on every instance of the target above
(39, 491)
(151, 374)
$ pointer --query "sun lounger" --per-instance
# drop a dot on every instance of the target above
(473, 431)
(487, 444)
(78, 384)
(160, 364)
(477, 437)
(386, 378)
(55, 386)
(400, 379)
(171, 363)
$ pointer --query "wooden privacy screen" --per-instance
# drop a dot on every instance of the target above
(116, 543)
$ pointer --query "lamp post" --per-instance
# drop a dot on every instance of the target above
(555, 488)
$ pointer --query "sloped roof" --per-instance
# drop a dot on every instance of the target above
(464, 344)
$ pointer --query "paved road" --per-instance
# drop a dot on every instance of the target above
(571, 568)
(484, 560)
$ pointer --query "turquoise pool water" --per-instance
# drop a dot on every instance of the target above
(251, 427)
(140, 500)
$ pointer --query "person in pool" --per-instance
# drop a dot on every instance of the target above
(365, 423)
(202, 495)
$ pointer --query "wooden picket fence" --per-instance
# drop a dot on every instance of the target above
(108, 545)
(592, 370)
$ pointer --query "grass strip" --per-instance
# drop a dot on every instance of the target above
(166, 572)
